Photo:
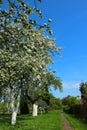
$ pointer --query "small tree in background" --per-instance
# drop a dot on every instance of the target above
(83, 90)
(55, 103)
(40, 88)
(68, 102)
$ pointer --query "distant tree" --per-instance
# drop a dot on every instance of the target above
(55, 103)
(70, 100)
(83, 90)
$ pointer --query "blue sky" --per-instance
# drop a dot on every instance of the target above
(69, 24)
(70, 30)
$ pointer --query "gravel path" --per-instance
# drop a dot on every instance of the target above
(65, 123)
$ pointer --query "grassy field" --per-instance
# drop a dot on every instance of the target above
(49, 121)
(76, 123)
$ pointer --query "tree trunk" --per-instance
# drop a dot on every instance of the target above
(35, 109)
(14, 108)
(13, 120)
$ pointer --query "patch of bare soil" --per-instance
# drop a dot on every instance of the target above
(65, 123)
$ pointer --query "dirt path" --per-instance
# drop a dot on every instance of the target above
(65, 123)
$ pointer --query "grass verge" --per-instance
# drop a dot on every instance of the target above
(76, 123)
(49, 121)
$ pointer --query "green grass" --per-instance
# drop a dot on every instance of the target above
(49, 121)
(76, 123)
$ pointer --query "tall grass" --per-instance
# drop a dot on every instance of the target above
(76, 123)
(49, 121)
